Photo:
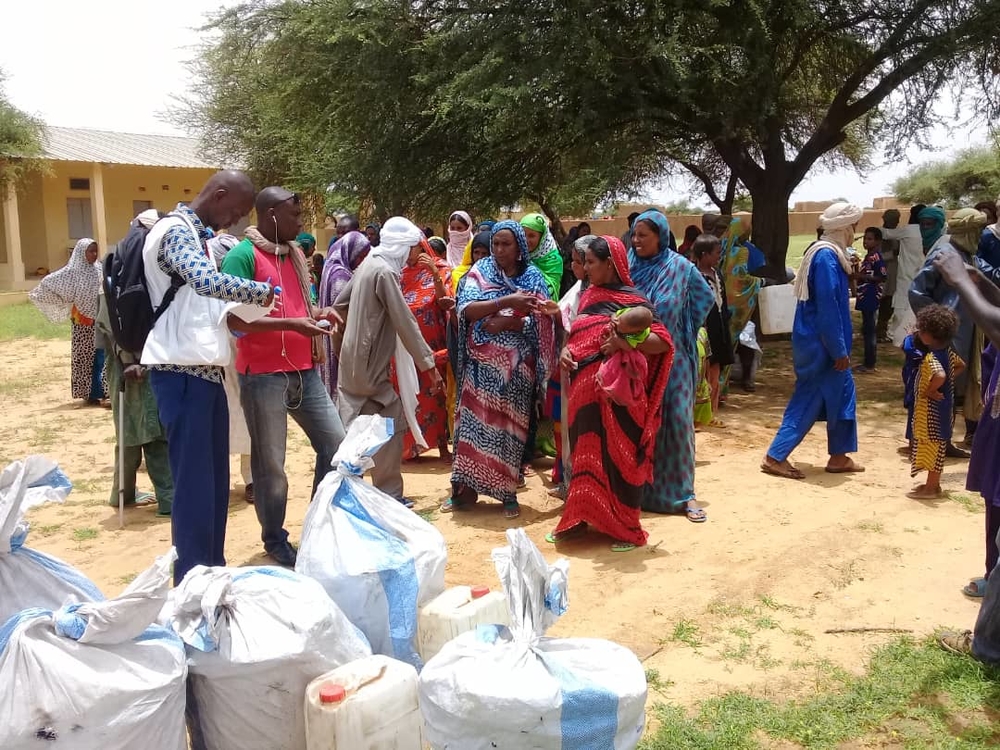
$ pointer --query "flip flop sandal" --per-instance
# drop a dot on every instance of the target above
(717, 424)
(696, 515)
(554, 538)
(143, 499)
(529, 471)
(622, 547)
(976, 588)
(405, 502)
(851, 468)
(452, 504)
(776, 471)
(511, 510)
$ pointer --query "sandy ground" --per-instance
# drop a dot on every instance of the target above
(743, 601)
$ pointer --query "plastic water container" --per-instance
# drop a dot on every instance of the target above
(456, 611)
(777, 309)
(368, 704)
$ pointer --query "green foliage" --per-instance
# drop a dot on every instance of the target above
(423, 107)
(20, 143)
(683, 207)
(972, 175)
(335, 97)
(913, 695)
(757, 92)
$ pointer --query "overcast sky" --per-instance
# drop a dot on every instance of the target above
(114, 64)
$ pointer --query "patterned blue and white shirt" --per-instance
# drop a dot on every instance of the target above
(180, 254)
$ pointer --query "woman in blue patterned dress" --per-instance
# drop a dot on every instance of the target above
(682, 299)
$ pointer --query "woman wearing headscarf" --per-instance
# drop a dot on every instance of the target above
(344, 257)
(544, 251)
(426, 283)
(739, 258)
(71, 292)
(682, 299)
(372, 232)
(507, 355)
(459, 234)
(612, 443)
(821, 351)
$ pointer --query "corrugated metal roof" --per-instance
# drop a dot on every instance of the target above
(106, 147)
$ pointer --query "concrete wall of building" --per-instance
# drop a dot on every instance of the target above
(42, 205)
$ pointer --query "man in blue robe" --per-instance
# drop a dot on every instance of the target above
(821, 351)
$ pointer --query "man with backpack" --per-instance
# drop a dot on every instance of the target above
(186, 349)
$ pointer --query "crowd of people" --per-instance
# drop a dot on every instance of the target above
(493, 344)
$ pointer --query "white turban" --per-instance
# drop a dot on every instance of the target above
(398, 235)
(840, 216)
(147, 218)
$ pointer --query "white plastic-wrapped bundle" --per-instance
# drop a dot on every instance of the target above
(95, 676)
(378, 560)
(29, 578)
(512, 688)
(256, 637)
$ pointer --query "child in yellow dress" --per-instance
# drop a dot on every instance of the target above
(934, 398)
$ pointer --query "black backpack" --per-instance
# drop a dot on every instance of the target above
(130, 309)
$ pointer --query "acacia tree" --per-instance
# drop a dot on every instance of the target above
(21, 146)
(334, 96)
(764, 88)
(972, 175)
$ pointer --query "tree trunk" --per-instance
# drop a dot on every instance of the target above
(555, 221)
(770, 226)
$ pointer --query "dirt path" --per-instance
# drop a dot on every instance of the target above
(741, 601)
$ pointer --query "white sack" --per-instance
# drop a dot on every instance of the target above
(95, 676)
(29, 578)
(378, 560)
(256, 637)
(513, 689)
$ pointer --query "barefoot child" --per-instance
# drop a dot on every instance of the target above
(934, 395)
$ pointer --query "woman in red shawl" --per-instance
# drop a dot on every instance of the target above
(426, 282)
(612, 445)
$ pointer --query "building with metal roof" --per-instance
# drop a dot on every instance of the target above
(96, 182)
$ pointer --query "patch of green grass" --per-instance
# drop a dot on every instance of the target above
(25, 321)
(44, 436)
(126, 579)
(721, 608)
(771, 603)
(48, 530)
(797, 245)
(971, 504)
(911, 696)
(655, 681)
(876, 527)
(84, 533)
(87, 486)
(428, 515)
(686, 632)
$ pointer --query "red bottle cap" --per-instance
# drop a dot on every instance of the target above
(330, 693)
(478, 592)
